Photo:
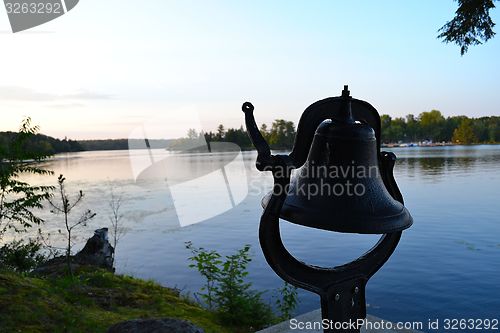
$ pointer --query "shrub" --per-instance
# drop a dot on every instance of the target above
(20, 256)
(65, 207)
(286, 301)
(226, 291)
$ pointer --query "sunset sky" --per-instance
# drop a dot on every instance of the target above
(106, 68)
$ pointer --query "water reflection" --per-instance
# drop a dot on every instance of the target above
(433, 168)
(431, 164)
(452, 193)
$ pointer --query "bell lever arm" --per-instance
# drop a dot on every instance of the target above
(265, 161)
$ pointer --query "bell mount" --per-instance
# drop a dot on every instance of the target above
(341, 288)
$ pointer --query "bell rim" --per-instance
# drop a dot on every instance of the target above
(357, 224)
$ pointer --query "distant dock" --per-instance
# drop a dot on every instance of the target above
(416, 144)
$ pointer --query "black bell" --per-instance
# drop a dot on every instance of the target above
(340, 185)
(342, 182)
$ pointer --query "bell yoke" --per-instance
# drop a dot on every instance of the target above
(343, 183)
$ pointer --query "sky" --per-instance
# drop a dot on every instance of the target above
(115, 68)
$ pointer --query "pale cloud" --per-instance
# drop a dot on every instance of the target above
(66, 105)
(86, 95)
(23, 94)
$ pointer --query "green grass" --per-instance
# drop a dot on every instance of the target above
(91, 301)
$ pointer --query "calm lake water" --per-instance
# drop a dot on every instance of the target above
(446, 266)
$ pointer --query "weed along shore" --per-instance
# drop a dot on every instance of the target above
(84, 295)
(81, 293)
(91, 301)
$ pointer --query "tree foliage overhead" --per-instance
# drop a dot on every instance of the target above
(472, 24)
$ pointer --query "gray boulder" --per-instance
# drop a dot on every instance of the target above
(165, 325)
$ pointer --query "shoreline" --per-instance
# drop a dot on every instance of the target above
(384, 145)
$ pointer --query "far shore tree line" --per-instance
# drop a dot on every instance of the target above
(43, 144)
(433, 126)
(280, 135)
(427, 126)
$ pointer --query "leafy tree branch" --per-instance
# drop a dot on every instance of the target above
(19, 199)
(472, 24)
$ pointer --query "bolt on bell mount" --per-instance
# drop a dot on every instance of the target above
(336, 133)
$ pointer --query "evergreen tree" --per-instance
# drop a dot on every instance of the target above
(220, 132)
(472, 24)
